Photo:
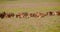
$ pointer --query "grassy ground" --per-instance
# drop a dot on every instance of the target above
(45, 24)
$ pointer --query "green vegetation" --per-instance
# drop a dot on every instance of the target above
(41, 9)
(28, 1)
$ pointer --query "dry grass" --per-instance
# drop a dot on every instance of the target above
(45, 24)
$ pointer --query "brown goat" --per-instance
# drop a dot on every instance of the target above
(2, 15)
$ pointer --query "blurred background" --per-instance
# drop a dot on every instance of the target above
(29, 5)
(45, 24)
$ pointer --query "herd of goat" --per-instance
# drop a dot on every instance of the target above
(25, 14)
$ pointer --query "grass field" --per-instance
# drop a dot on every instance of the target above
(45, 24)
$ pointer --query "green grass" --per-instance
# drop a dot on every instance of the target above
(28, 1)
(41, 9)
